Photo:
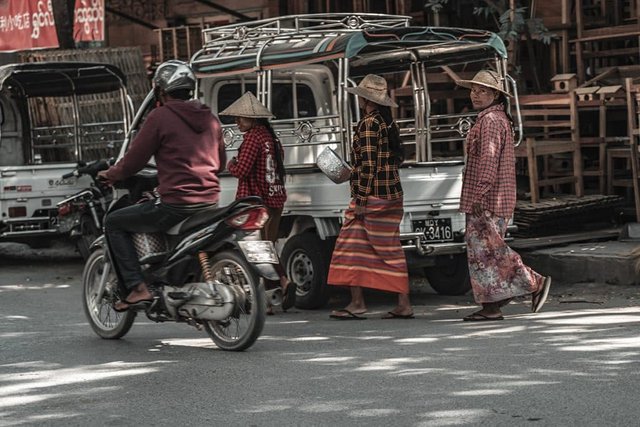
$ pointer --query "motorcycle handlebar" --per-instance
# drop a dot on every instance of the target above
(91, 169)
(69, 175)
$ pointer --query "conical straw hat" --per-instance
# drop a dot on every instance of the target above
(486, 78)
(373, 88)
(247, 106)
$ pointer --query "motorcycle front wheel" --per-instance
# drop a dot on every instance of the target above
(88, 234)
(104, 320)
(240, 330)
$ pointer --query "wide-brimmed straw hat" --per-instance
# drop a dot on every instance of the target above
(373, 88)
(486, 78)
(247, 106)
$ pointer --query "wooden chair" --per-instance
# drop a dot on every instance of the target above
(604, 101)
(550, 130)
(629, 152)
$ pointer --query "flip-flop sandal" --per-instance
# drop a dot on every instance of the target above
(131, 305)
(540, 297)
(392, 315)
(289, 299)
(478, 317)
(348, 315)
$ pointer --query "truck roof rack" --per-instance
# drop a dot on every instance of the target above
(283, 42)
(265, 30)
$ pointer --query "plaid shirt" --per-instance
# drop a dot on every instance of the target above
(255, 168)
(490, 173)
(375, 170)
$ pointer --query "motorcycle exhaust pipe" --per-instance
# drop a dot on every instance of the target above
(274, 296)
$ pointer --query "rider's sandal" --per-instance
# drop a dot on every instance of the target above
(289, 299)
(130, 305)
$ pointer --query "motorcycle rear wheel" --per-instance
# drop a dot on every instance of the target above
(104, 320)
(240, 330)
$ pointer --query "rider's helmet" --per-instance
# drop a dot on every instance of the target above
(174, 75)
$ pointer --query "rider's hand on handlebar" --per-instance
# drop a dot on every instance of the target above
(102, 176)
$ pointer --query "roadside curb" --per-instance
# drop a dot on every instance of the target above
(607, 262)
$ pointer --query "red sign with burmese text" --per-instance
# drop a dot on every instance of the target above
(27, 24)
(88, 22)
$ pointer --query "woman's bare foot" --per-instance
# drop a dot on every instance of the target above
(489, 311)
(350, 310)
(138, 295)
(402, 311)
(356, 308)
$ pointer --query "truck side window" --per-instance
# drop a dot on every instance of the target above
(227, 95)
(11, 144)
(282, 101)
(306, 102)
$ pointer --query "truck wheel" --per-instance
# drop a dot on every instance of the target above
(450, 275)
(306, 264)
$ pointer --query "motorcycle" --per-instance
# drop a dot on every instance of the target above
(81, 214)
(207, 271)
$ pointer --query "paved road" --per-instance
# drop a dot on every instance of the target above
(576, 363)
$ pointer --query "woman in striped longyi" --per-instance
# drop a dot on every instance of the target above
(368, 253)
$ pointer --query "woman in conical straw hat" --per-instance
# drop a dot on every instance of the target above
(368, 253)
(488, 198)
(259, 168)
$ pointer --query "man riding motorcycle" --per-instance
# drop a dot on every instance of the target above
(185, 139)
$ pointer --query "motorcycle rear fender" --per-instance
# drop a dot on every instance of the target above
(100, 242)
(268, 271)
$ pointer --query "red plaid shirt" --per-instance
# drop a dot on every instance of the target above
(255, 168)
(490, 173)
(375, 169)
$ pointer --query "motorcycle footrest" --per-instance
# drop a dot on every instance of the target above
(179, 295)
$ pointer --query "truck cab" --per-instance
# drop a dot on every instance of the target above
(52, 116)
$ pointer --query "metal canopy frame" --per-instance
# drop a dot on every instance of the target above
(62, 78)
(357, 45)
(288, 41)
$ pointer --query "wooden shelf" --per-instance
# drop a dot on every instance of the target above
(618, 31)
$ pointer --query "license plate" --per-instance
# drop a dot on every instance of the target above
(434, 229)
(259, 251)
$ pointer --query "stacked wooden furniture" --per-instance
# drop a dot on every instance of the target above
(627, 155)
(605, 101)
(550, 133)
(606, 35)
(179, 42)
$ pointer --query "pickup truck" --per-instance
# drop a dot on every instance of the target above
(52, 116)
(300, 67)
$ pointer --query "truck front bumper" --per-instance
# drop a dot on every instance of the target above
(412, 242)
(27, 227)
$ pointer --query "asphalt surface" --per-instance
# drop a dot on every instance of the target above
(575, 363)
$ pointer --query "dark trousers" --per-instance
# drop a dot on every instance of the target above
(145, 217)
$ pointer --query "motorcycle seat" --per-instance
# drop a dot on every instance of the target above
(209, 215)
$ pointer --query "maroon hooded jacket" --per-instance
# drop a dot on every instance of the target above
(186, 140)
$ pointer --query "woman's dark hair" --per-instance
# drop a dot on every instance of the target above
(277, 147)
(395, 143)
(502, 99)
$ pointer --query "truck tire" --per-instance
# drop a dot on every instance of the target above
(306, 262)
(450, 275)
